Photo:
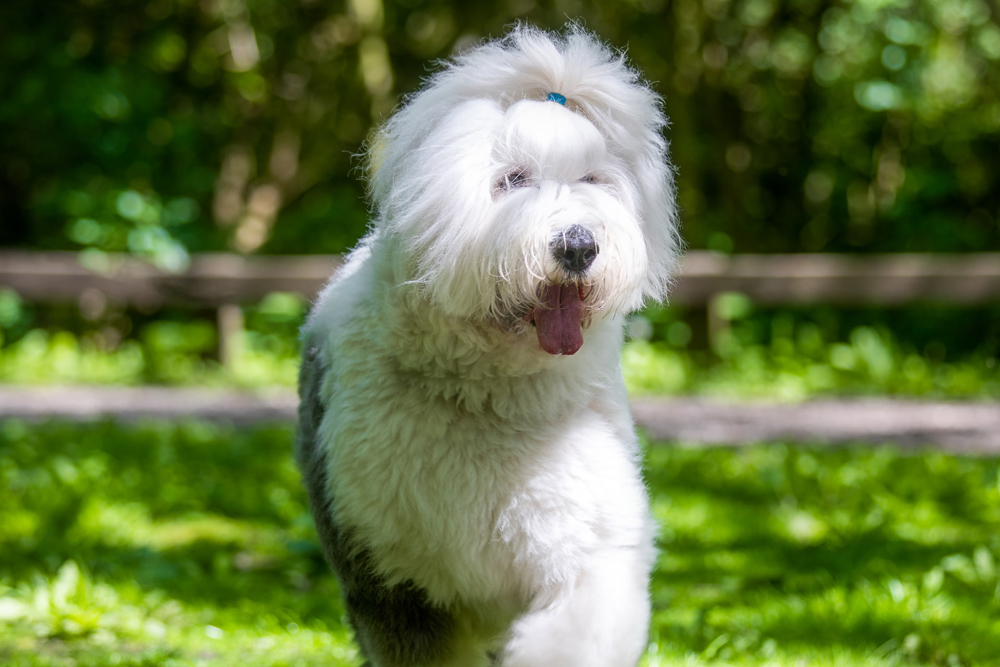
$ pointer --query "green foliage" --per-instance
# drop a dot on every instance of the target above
(174, 126)
(173, 544)
(160, 544)
(165, 355)
(783, 354)
(779, 549)
(793, 355)
(834, 126)
(170, 348)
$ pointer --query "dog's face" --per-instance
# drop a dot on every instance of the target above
(523, 213)
(565, 242)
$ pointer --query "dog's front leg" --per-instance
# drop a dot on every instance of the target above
(600, 620)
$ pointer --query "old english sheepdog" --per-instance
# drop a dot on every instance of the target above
(464, 432)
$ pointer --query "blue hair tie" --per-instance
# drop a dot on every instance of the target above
(556, 97)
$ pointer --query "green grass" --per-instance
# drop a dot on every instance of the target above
(777, 354)
(870, 362)
(171, 353)
(190, 544)
(801, 365)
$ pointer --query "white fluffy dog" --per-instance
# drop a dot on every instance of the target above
(464, 431)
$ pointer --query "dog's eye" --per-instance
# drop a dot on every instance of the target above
(517, 178)
(592, 179)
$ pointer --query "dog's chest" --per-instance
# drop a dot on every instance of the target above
(471, 506)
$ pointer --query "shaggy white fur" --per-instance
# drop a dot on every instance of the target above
(472, 459)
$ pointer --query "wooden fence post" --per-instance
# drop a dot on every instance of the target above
(230, 326)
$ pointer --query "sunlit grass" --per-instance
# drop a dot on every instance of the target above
(871, 363)
(41, 357)
(780, 355)
(190, 544)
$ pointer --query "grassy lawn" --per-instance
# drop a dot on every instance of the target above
(778, 355)
(190, 544)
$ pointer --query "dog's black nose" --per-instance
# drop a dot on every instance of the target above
(575, 248)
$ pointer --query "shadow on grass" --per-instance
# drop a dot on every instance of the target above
(862, 548)
(208, 514)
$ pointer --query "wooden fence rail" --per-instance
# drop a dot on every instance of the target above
(216, 280)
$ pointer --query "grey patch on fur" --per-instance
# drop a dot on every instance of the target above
(394, 626)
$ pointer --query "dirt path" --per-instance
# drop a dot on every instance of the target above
(961, 427)
(131, 403)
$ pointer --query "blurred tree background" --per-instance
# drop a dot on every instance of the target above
(172, 127)
(175, 126)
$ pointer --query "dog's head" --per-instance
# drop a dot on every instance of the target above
(528, 184)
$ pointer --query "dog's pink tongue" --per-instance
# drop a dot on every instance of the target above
(558, 319)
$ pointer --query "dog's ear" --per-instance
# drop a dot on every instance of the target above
(630, 115)
(646, 152)
(658, 209)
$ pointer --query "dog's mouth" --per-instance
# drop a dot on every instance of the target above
(558, 318)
